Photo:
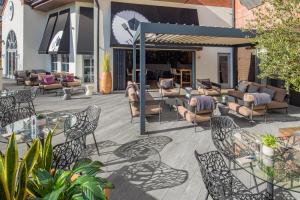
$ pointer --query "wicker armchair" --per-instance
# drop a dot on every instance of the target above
(87, 122)
(220, 183)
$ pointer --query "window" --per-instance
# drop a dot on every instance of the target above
(65, 62)
(54, 62)
(88, 69)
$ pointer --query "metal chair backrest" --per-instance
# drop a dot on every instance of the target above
(16, 114)
(7, 103)
(23, 96)
(68, 153)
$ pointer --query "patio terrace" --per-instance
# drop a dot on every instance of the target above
(161, 165)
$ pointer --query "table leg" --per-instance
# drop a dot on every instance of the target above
(270, 189)
(181, 75)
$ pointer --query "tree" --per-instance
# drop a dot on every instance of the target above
(277, 25)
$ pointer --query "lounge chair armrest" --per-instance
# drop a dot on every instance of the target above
(153, 102)
(217, 85)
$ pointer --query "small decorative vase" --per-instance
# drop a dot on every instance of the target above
(267, 161)
(268, 151)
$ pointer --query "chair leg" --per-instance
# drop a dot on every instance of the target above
(207, 194)
(96, 144)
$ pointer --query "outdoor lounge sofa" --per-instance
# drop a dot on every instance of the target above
(21, 76)
(153, 107)
(67, 79)
(279, 96)
(45, 85)
(208, 88)
(187, 109)
(168, 88)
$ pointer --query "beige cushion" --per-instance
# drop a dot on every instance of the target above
(135, 109)
(73, 84)
(212, 92)
(53, 86)
(277, 105)
(150, 109)
(280, 93)
(191, 117)
(236, 93)
(132, 95)
(169, 92)
(243, 110)
(41, 76)
(193, 103)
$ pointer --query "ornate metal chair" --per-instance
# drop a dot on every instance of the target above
(24, 96)
(220, 183)
(7, 103)
(222, 128)
(86, 121)
(65, 154)
(16, 114)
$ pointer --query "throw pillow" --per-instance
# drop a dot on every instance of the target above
(49, 79)
(243, 87)
(268, 91)
(70, 78)
(167, 84)
(252, 89)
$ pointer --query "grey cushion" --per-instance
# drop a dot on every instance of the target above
(268, 91)
(252, 89)
(167, 84)
(243, 87)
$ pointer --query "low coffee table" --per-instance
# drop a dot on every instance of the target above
(67, 93)
(224, 109)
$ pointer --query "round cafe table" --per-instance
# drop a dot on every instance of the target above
(281, 170)
(56, 122)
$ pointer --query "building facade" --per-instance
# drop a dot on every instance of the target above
(52, 35)
(28, 38)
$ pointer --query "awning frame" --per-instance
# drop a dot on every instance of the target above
(181, 30)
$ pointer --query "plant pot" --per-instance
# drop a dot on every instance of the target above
(106, 83)
(268, 162)
(107, 193)
(268, 151)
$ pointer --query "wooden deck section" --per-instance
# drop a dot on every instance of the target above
(161, 165)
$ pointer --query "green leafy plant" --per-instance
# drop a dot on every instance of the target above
(40, 116)
(106, 62)
(277, 24)
(14, 176)
(270, 141)
(80, 183)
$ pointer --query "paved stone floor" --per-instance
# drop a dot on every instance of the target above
(160, 165)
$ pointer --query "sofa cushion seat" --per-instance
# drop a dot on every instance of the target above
(212, 92)
(73, 84)
(277, 105)
(236, 93)
(191, 117)
(153, 109)
(53, 86)
(169, 92)
(245, 111)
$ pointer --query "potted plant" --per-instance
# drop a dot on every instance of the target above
(270, 142)
(106, 79)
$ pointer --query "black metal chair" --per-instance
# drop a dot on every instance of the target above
(25, 96)
(16, 114)
(220, 183)
(7, 103)
(68, 153)
(86, 121)
(222, 128)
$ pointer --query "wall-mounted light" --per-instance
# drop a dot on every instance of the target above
(3, 42)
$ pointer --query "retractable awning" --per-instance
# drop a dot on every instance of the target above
(85, 43)
(48, 33)
(170, 35)
(60, 41)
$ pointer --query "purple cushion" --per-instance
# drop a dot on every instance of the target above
(167, 84)
(70, 78)
(49, 79)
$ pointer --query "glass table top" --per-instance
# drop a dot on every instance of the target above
(282, 169)
(28, 129)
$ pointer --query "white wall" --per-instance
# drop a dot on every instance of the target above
(206, 60)
(34, 26)
(16, 25)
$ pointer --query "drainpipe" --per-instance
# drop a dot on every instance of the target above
(234, 50)
(97, 50)
(233, 13)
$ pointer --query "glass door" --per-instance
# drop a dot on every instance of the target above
(88, 69)
(224, 69)
(11, 63)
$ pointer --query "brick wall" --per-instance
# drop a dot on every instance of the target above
(220, 3)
